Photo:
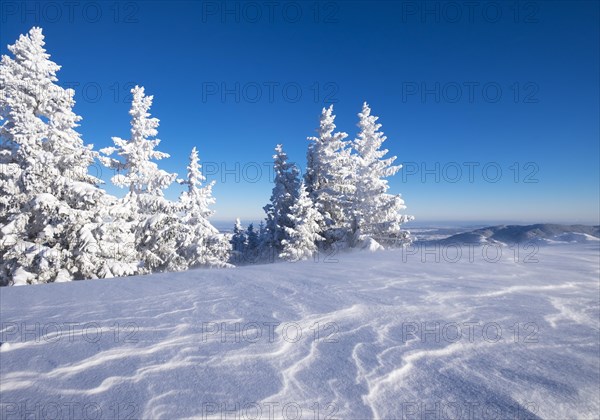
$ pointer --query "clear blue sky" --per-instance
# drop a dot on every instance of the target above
(542, 57)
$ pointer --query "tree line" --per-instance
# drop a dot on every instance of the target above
(58, 224)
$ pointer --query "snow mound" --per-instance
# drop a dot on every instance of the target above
(371, 245)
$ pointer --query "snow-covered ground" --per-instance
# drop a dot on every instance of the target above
(351, 336)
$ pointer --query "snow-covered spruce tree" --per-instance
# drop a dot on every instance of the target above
(303, 237)
(375, 213)
(49, 204)
(154, 221)
(252, 242)
(238, 243)
(262, 232)
(285, 191)
(266, 252)
(201, 243)
(328, 177)
(116, 240)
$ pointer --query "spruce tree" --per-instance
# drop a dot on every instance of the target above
(328, 177)
(50, 206)
(375, 213)
(201, 243)
(285, 191)
(238, 242)
(153, 219)
(304, 235)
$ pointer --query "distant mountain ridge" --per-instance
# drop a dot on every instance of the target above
(544, 232)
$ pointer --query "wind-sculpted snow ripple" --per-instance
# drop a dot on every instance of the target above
(368, 337)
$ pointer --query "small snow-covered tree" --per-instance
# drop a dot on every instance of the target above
(375, 213)
(252, 240)
(238, 240)
(157, 228)
(285, 191)
(266, 251)
(202, 244)
(262, 232)
(304, 235)
(328, 176)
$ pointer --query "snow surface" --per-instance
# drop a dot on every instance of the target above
(165, 346)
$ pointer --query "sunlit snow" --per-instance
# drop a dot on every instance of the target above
(356, 335)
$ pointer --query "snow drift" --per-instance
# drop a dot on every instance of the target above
(357, 335)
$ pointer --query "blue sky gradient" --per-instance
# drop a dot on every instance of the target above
(502, 85)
